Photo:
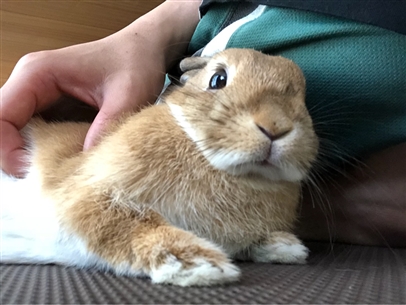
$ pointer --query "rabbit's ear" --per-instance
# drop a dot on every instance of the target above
(185, 76)
(193, 63)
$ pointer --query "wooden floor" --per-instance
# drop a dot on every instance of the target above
(28, 25)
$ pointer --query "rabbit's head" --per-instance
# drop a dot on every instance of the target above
(246, 113)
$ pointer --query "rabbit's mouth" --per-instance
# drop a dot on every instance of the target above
(276, 172)
(266, 165)
(265, 162)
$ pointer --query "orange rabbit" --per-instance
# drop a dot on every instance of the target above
(177, 190)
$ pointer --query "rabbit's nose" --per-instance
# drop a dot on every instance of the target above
(274, 133)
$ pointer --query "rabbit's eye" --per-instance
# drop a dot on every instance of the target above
(218, 80)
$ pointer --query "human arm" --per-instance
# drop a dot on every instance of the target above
(119, 73)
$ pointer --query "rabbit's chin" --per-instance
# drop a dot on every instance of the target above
(265, 169)
(287, 173)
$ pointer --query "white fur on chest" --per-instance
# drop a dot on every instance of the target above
(30, 229)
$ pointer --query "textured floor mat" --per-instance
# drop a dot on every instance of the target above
(338, 274)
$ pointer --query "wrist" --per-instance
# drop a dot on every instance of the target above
(184, 17)
(165, 31)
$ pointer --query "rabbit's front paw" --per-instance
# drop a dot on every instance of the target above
(199, 264)
(281, 247)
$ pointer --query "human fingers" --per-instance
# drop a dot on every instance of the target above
(11, 152)
(28, 90)
(122, 97)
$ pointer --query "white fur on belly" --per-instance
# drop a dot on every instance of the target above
(31, 232)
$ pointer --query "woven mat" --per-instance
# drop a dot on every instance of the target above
(334, 274)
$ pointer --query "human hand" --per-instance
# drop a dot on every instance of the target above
(103, 74)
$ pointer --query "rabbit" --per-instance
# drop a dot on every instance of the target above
(176, 191)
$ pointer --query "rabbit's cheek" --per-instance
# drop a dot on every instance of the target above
(227, 160)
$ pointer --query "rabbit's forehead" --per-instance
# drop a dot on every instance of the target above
(237, 69)
(221, 64)
(261, 68)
